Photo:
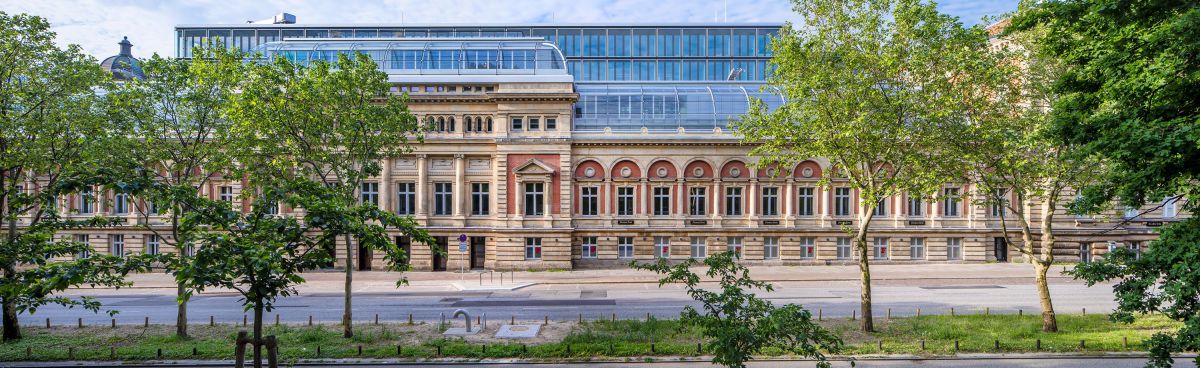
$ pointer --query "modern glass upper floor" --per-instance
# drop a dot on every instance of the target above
(501, 55)
(683, 52)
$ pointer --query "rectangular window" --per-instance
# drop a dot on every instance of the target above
(480, 199)
(551, 123)
(533, 249)
(116, 245)
(662, 247)
(225, 194)
(734, 244)
(999, 202)
(152, 244)
(808, 248)
(771, 248)
(151, 208)
(698, 248)
(668, 42)
(881, 208)
(733, 201)
(443, 199)
(697, 200)
(662, 201)
(879, 248)
(916, 248)
(770, 201)
(953, 249)
(121, 203)
(535, 199)
(806, 202)
(535, 124)
(588, 247)
(369, 193)
(1169, 209)
(951, 203)
(841, 201)
(916, 206)
(406, 198)
(83, 239)
(625, 201)
(517, 123)
(589, 201)
(624, 247)
(843, 248)
(87, 201)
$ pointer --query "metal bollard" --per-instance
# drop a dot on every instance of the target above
(47, 322)
(147, 322)
(1020, 312)
(410, 318)
(277, 319)
(853, 315)
(310, 320)
(922, 345)
(81, 323)
(114, 323)
(377, 318)
(955, 345)
(1038, 346)
(918, 312)
(952, 311)
(212, 321)
(889, 314)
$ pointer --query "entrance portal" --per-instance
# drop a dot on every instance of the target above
(364, 258)
(1001, 249)
(439, 253)
(478, 252)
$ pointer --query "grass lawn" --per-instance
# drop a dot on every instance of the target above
(975, 333)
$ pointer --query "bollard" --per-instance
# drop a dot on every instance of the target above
(71, 352)
(1038, 346)
(310, 320)
(652, 348)
(195, 352)
(546, 321)
(399, 350)
(47, 322)
(614, 317)
(698, 348)
(410, 318)
(512, 320)
(524, 349)
(478, 319)
(1125, 342)
(987, 311)
(880, 345)
(277, 319)
(485, 348)
(581, 318)
(114, 323)
(889, 314)
(81, 323)
(318, 350)
(1085, 311)
(955, 345)
(481, 278)
(212, 321)
(1020, 312)
(952, 311)
(819, 314)
(996, 344)
(922, 345)
(147, 323)
(360, 350)
(853, 315)
(158, 353)
(1082, 344)
(377, 318)
(647, 316)
(439, 350)
(918, 312)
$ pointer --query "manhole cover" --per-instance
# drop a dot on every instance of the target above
(518, 331)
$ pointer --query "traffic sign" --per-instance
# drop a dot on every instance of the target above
(462, 243)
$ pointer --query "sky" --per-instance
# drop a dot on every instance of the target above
(97, 26)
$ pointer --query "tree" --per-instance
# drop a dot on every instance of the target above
(1127, 93)
(180, 135)
(739, 323)
(333, 122)
(53, 144)
(1010, 156)
(866, 83)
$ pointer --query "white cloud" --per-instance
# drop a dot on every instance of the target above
(98, 25)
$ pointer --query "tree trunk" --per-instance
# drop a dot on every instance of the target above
(347, 316)
(1043, 263)
(12, 328)
(1049, 321)
(258, 338)
(181, 322)
(864, 267)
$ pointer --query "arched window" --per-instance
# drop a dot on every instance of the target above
(451, 125)
(441, 124)
(489, 124)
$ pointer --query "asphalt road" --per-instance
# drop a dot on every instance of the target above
(568, 302)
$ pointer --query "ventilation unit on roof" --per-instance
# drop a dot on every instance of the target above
(281, 18)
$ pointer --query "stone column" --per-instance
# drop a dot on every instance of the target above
(752, 200)
(385, 186)
(546, 202)
(422, 186)
(789, 199)
(607, 198)
(717, 198)
(519, 194)
(645, 189)
(460, 184)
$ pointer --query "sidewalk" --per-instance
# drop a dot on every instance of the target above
(385, 282)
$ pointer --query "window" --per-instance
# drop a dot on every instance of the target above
(534, 124)
(589, 201)
(533, 248)
(625, 201)
(151, 208)
(808, 248)
(480, 199)
(369, 193)
(188, 250)
(516, 123)
(588, 247)
(916, 206)
(443, 198)
(116, 245)
(535, 203)
(916, 248)
(697, 201)
(121, 203)
(698, 248)
(406, 198)
(843, 248)
(999, 202)
(770, 201)
(1169, 207)
(1136, 248)
(881, 208)
(806, 202)
(1085, 252)
(841, 201)
(1131, 212)
(87, 201)
(551, 124)
(953, 249)
(880, 248)
(83, 239)
(771, 248)
(733, 201)
(951, 203)
(662, 247)
(624, 247)
(734, 244)
(152, 244)
(662, 201)
(225, 194)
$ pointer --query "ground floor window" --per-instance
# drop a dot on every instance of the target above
(880, 248)
(770, 248)
(808, 248)
(843, 248)
(953, 249)
(86, 252)
(916, 248)
(116, 245)
(662, 247)
(734, 244)
(588, 249)
(624, 247)
(1136, 247)
(699, 248)
(533, 248)
(1085, 252)
(152, 244)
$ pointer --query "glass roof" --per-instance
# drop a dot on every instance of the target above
(665, 107)
(418, 55)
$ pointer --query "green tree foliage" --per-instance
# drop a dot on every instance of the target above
(180, 134)
(738, 323)
(868, 86)
(53, 144)
(332, 122)
(1128, 93)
